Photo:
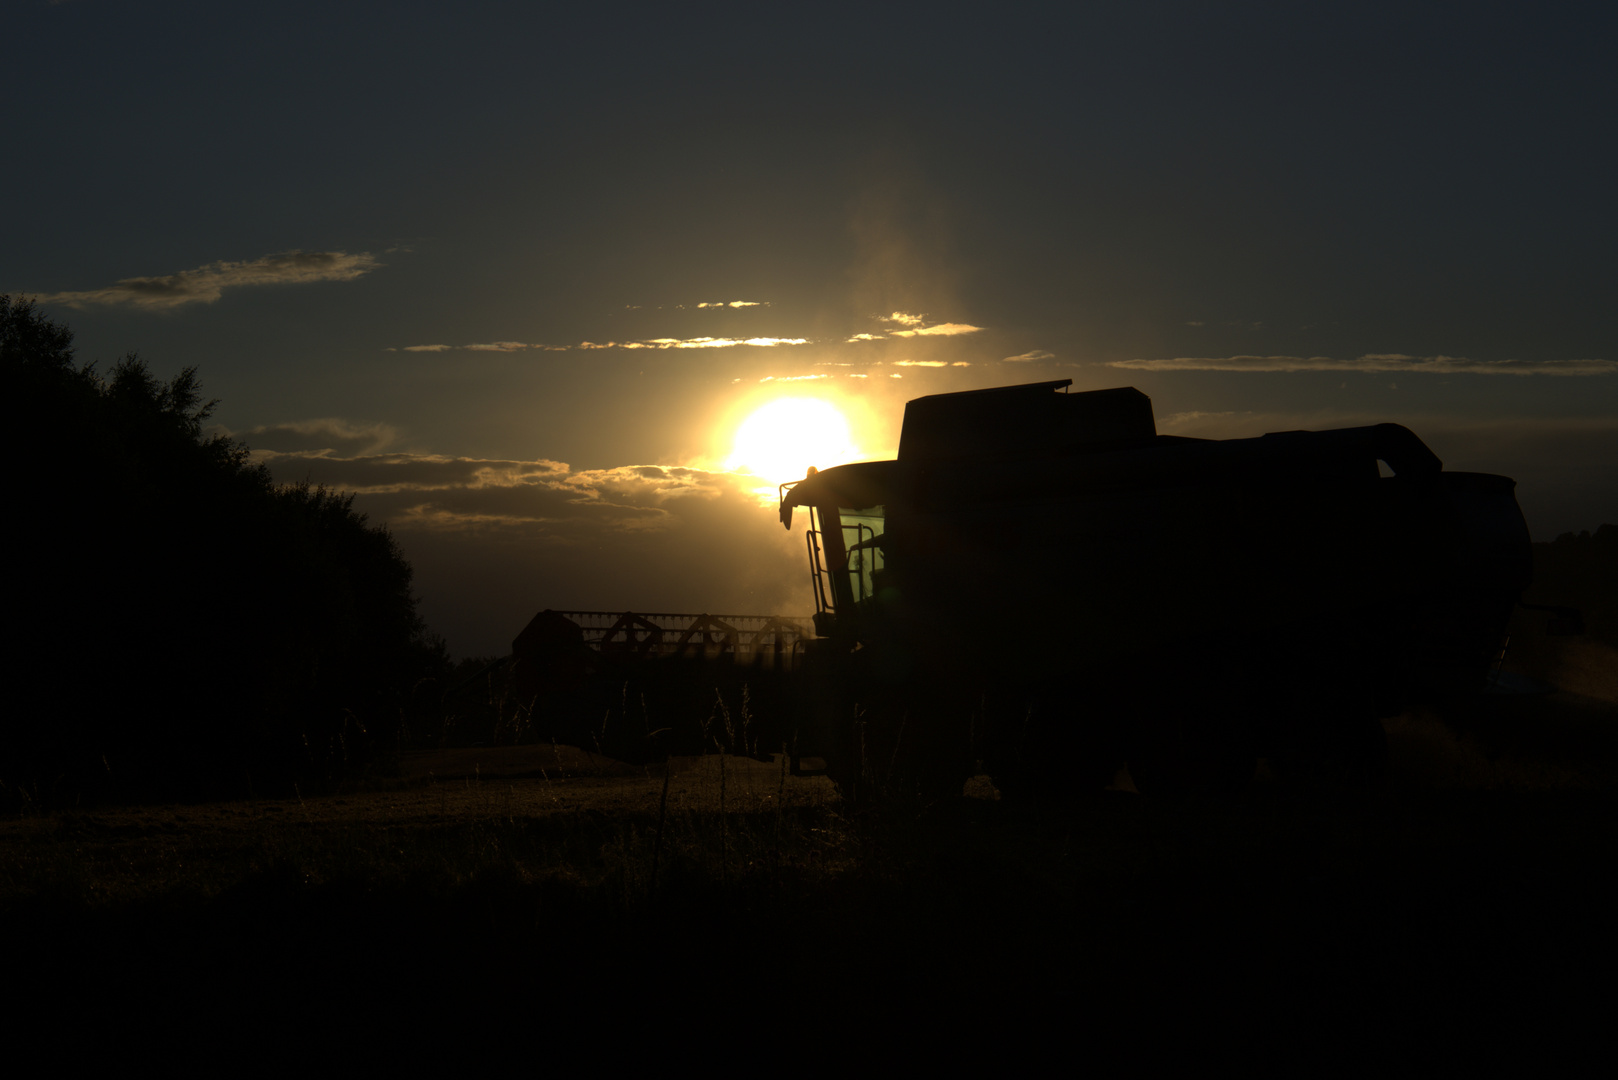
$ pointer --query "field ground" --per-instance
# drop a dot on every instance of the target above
(1477, 883)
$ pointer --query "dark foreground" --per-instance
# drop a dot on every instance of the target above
(1478, 884)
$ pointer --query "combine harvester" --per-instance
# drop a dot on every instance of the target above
(1042, 587)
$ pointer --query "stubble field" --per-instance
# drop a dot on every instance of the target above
(1478, 876)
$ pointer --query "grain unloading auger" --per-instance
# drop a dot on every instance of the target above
(1042, 586)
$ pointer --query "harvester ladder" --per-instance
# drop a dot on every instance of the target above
(819, 576)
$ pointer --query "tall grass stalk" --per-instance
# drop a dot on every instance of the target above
(724, 828)
(662, 818)
(780, 812)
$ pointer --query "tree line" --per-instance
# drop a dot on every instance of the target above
(182, 625)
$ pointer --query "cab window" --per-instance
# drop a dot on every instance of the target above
(863, 539)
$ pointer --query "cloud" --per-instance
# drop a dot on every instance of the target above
(1376, 362)
(1174, 420)
(820, 375)
(500, 346)
(441, 491)
(398, 473)
(206, 284)
(649, 343)
(493, 541)
(717, 343)
(921, 363)
(735, 304)
(914, 326)
(326, 435)
(1027, 357)
(948, 329)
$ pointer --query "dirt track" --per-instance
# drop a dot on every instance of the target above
(526, 781)
(475, 783)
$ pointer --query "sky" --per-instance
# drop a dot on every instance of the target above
(518, 276)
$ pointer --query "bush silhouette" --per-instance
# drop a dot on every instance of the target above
(182, 625)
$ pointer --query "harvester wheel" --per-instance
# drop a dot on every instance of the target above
(828, 725)
(1335, 735)
(1341, 742)
(1177, 758)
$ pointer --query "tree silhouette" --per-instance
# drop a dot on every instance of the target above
(182, 625)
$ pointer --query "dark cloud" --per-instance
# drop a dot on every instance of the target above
(550, 510)
(1562, 465)
(1380, 363)
(326, 435)
(493, 541)
(393, 473)
(206, 284)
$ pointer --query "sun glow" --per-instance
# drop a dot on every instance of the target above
(780, 440)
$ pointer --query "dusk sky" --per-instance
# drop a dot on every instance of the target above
(518, 274)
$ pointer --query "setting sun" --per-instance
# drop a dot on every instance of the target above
(779, 441)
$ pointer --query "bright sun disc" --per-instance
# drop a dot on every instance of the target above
(780, 440)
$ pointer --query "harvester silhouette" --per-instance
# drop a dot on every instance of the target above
(1042, 587)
